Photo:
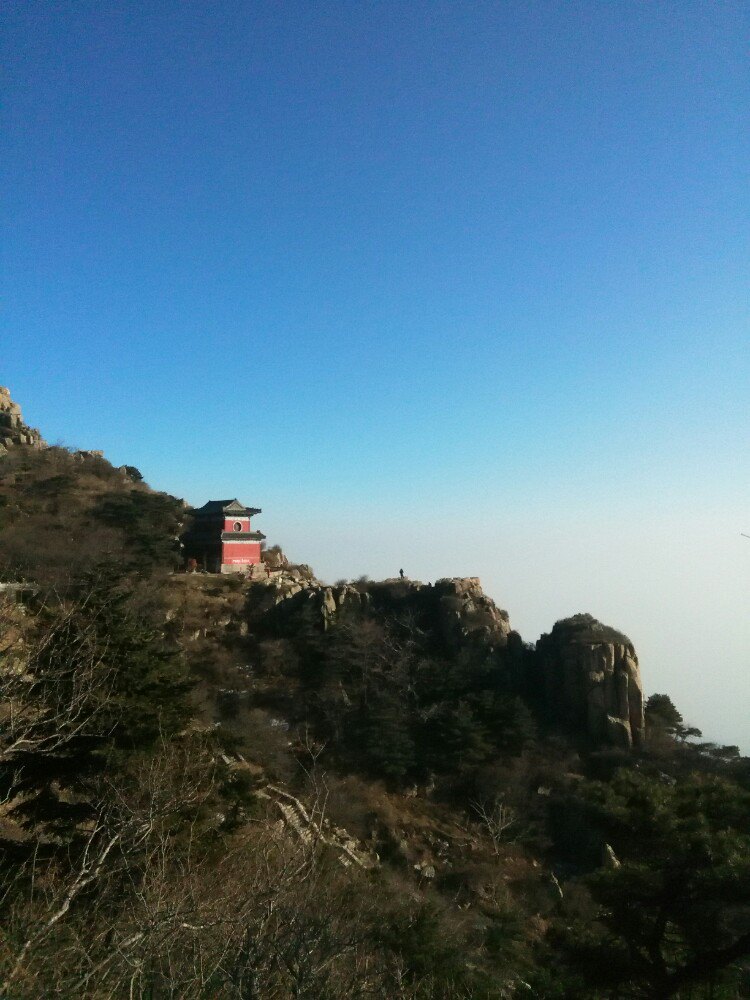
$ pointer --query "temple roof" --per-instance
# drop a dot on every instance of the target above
(226, 507)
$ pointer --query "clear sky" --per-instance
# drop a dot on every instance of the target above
(458, 287)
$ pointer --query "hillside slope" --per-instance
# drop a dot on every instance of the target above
(269, 787)
(63, 512)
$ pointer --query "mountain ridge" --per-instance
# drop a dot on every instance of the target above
(464, 814)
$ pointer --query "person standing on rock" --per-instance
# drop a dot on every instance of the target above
(401, 573)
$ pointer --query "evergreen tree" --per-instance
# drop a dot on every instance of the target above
(387, 745)
(674, 908)
(662, 715)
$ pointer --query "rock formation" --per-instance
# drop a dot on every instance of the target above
(584, 676)
(591, 682)
(13, 431)
(290, 599)
(466, 612)
(459, 609)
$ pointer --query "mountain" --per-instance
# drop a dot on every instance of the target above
(264, 785)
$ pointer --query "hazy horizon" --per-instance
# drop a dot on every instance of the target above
(455, 288)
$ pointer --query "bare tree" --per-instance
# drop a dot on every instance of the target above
(46, 710)
(163, 902)
(497, 819)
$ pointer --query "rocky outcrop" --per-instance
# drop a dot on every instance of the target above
(14, 433)
(583, 676)
(467, 613)
(275, 559)
(458, 609)
(291, 600)
(591, 681)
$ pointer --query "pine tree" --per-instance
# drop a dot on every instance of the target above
(675, 908)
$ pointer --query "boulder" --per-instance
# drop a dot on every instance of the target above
(274, 558)
(591, 682)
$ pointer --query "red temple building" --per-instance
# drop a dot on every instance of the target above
(220, 539)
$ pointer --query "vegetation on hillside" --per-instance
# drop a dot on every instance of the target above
(197, 803)
(63, 513)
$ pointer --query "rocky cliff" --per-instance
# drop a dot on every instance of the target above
(591, 681)
(583, 675)
(457, 608)
(466, 612)
(14, 433)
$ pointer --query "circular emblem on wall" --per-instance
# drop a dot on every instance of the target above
(238, 525)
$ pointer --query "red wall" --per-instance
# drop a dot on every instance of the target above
(240, 553)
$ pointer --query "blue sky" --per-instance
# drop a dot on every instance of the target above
(461, 287)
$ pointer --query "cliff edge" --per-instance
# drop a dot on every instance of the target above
(14, 433)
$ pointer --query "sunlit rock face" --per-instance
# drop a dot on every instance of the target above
(456, 609)
(13, 431)
(591, 681)
(466, 612)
